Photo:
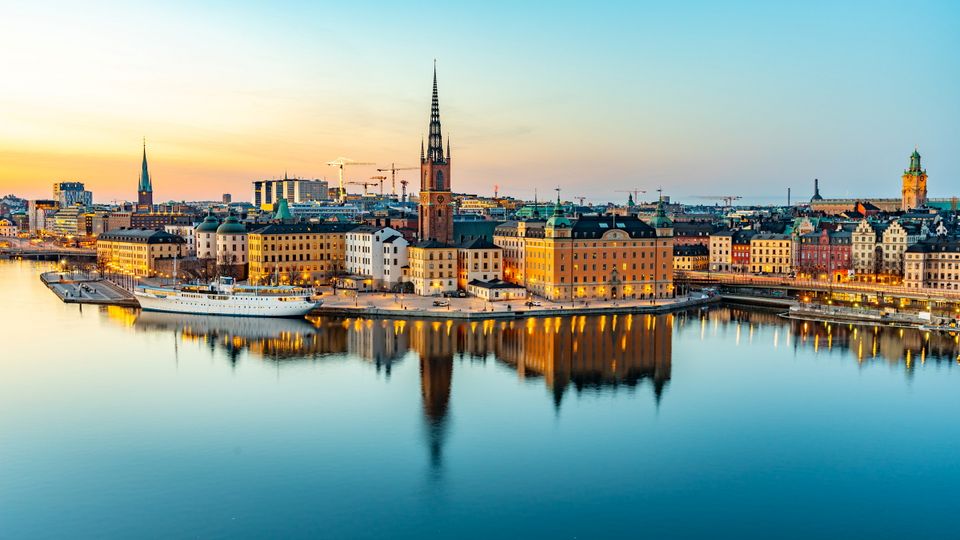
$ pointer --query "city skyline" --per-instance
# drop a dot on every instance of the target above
(682, 97)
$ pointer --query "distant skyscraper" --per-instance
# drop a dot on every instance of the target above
(71, 193)
(145, 188)
(914, 184)
(436, 204)
(266, 193)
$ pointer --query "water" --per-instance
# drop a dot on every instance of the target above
(726, 422)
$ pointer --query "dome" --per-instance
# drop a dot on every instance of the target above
(231, 225)
(209, 224)
(558, 222)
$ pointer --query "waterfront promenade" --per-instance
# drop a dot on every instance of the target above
(813, 285)
(394, 305)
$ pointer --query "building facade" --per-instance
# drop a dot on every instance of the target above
(598, 257)
(136, 251)
(691, 257)
(933, 263)
(825, 254)
(376, 253)
(433, 268)
(297, 253)
(771, 253)
(512, 238)
(478, 260)
(72, 193)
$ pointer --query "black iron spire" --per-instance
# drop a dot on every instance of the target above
(435, 141)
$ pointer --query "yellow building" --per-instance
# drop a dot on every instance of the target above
(136, 251)
(512, 238)
(433, 267)
(692, 257)
(600, 257)
(771, 253)
(297, 253)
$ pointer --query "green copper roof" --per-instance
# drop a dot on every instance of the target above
(209, 224)
(145, 184)
(283, 210)
(231, 225)
(660, 220)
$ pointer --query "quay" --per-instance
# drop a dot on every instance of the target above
(81, 288)
(375, 305)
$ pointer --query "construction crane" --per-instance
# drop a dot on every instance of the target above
(393, 176)
(404, 183)
(364, 184)
(580, 198)
(727, 199)
(380, 179)
(340, 163)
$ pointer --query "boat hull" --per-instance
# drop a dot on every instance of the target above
(229, 305)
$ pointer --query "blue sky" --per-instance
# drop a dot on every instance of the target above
(702, 98)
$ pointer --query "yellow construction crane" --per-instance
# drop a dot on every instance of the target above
(340, 163)
(379, 179)
(364, 184)
(393, 176)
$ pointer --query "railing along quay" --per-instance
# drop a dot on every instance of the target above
(774, 282)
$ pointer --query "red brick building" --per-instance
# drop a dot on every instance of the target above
(825, 254)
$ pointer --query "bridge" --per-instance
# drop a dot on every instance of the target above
(47, 254)
(803, 287)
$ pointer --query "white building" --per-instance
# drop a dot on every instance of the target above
(7, 228)
(377, 253)
(206, 238)
(231, 242)
(187, 233)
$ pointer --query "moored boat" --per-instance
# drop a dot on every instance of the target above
(225, 297)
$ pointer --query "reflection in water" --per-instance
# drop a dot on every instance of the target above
(593, 354)
(896, 346)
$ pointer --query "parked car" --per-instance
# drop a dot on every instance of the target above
(533, 303)
(441, 303)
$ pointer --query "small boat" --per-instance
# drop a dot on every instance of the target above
(225, 297)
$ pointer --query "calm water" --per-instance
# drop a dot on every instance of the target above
(725, 423)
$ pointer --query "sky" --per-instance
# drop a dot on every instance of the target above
(700, 98)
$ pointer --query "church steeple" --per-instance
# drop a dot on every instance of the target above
(435, 139)
(436, 200)
(145, 186)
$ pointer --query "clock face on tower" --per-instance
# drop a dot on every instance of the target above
(440, 199)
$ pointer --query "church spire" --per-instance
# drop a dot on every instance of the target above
(145, 184)
(435, 140)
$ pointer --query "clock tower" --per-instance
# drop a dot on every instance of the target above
(436, 203)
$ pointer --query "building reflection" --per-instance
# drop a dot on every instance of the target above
(903, 347)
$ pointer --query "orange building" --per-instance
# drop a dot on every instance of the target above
(600, 257)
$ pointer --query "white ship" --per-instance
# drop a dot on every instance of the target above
(225, 297)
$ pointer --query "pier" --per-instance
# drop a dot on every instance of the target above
(82, 288)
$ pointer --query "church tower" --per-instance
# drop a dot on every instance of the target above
(914, 184)
(436, 204)
(145, 188)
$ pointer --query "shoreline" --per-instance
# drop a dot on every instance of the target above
(393, 313)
